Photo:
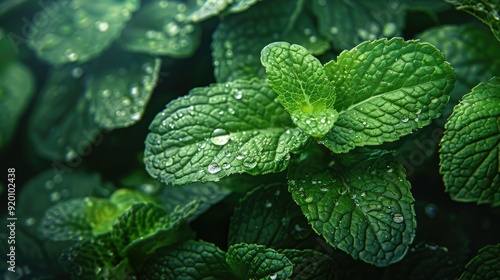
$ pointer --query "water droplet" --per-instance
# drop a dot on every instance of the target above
(72, 56)
(219, 137)
(71, 154)
(268, 204)
(102, 26)
(309, 199)
(389, 169)
(397, 218)
(324, 189)
(30, 221)
(226, 166)
(77, 72)
(238, 94)
(168, 161)
(313, 39)
(213, 168)
(273, 276)
(172, 29)
(55, 196)
(404, 119)
(250, 162)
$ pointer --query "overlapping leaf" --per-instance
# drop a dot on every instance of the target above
(302, 86)
(220, 130)
(487, 11)
(485, 265)
(161, 28)
(470, 147)
(386, 89)
(362, 206)
(79, 30)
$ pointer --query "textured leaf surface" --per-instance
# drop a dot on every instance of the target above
(348, 23)
(220, 130)
(386, 89)
(302, 86)
(485, 265)
(268, 216)
(309, 264)
(487, 11)
(239, 39)
(470, 147)
(119, 88)
(161, 28)
(470, 50)
(363, 206)
(79, 30)
(189, 260)
(251, 261)
(16, 89)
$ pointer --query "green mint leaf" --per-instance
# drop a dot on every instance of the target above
(385, 90)
(251, 261)
(16, 89)
(363, 206)
(157, 229)
(485, 265)
(221, 130)
(469, 148)
(348, 23)
(268, 216)
(79, 30)
(90, 258)
(302, 86)
(188, 260)
(309, 264)
(239, 39)
(125, 198)
(474, 58)
(486, 11)
(66, 221)
(160, 28)
(425, 261)
(119, 88)
(47, 188)
(210, 8)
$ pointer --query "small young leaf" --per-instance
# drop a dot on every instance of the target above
(221, 130)
(386, 89)
(302, 86)
(309, 264)
(188, 260)
(470, 147)
(485, 265)
(348, 23)
(363, 206)
(119, 87)
(251, 261)
(486, 11)
(79, 30)
(16, 89)
(160, 28)
(268, 216)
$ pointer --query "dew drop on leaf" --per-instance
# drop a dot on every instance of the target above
(397, 218)
(273, 276)
(308, 199)
(214, 168)
(404, 119)
(168, 162)
(219, 137)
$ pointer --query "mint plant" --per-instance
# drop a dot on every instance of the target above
(245, 139)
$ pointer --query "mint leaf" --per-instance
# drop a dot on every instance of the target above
(188, 260)
(221, 130)
(470, 146)
(302, 86)
(16, 90)
(362, 206)
(79, 30)
(44, 190)
(268, 216)
(90, 258)
(239, 39)
(485, 265)
(348, 23)
(66, 221)
(386, 89)
(160, 28)
(486, 11)
(309, 264)
(119, 87)
(474, 58)
(210, 8)
(251, 261)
